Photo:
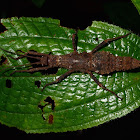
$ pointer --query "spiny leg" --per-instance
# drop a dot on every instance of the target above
(105, 42)
(101, 85)
(58, 80)
(74, 41)
(31, 70)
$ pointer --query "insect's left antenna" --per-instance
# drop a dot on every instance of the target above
(20, 55)
(10, 52)
(20, 66)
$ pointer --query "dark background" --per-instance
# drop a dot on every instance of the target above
(73, 14)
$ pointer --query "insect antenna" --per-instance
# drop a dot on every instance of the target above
(20, 55)
(20, 66)
(10, 52)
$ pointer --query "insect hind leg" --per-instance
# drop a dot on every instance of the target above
(101, 85)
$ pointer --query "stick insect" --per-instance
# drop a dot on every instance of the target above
(100, 62)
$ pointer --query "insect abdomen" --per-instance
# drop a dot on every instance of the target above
(105, 63)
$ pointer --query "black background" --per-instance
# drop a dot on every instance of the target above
(73, 14)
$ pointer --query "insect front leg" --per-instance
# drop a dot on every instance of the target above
(58, 80)
(105, 42)
(101, 85)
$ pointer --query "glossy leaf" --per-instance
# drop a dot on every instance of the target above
(137, 4)
(79, 102)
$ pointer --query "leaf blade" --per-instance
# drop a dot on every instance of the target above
(79, 102)
(137, 4)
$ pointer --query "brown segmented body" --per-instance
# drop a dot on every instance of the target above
(99, 62)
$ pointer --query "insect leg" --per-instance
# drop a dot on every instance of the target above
(101, 85)
(74, 41)
(58, 80)
(105, 42)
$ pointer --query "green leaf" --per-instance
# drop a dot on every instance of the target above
(39, 3)
(137, 4)
(79, 102)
